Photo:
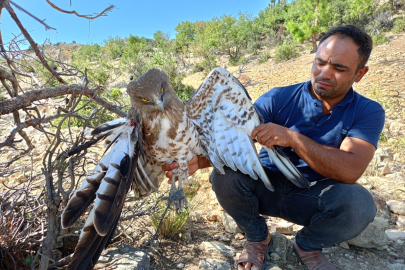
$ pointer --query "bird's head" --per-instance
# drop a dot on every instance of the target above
(150, 92)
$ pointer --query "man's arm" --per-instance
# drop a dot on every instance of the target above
(346, 164)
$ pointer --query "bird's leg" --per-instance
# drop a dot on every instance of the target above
(177, 196)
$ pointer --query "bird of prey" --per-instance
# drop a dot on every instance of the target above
(216, 122)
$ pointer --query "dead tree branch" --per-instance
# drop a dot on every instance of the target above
(32, 43)
(103, 13)
(23, 101)
(47, 27)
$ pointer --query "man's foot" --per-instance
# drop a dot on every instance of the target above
(313, 260)
(253, 256)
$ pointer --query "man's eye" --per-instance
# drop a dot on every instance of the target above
(144, 100)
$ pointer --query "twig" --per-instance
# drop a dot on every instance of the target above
(32, 43)
(105, 11)
(33, 16)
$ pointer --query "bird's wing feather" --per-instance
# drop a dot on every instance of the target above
(108, 184)
(280, 159)
(225, 117)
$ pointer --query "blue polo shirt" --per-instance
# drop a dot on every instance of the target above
(295, 108)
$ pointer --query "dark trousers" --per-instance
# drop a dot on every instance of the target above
(330, 211)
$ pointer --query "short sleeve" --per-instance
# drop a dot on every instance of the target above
(264, 106)
(369, 123)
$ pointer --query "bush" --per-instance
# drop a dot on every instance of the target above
(114, 47)
(237, 61)
(205, 65)
(399, 25)
(88, 51)
(379, 39)
(264, 56)
(174, 224)
(285, 52)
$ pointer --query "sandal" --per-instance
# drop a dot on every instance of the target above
(313, 260)
(255, 253)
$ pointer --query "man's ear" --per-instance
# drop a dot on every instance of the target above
(360, 73)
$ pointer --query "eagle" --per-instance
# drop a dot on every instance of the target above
(216, 122)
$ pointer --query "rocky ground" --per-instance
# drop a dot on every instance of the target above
(211, 239)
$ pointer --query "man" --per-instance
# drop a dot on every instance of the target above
(330, 133)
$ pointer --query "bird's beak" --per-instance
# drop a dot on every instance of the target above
(159, 103)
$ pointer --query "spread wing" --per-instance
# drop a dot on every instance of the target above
(107, 185)
(225, 117)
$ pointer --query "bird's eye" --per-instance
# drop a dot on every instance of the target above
(144, 100)
(161, 90)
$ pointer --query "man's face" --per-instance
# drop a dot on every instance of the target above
(335, 68)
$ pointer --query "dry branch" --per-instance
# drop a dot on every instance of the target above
(103, 13)
(25, 100)
(30, 14)
(32, 43)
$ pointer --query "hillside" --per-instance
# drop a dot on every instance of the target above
(212, 239)
(384, 82)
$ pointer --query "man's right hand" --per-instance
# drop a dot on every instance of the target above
(197, 162)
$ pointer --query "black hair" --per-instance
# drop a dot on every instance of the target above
(360, 37)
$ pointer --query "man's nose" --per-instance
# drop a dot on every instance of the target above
(327, 72)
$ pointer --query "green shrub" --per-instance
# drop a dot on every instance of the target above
(264, 56)
(88, 51)
(174, 224)
(399, 25)
(379, 39)
(285, 52)
(205, 65)
(114, 47)
(237, 60)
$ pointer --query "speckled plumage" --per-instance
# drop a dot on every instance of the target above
(215, 122)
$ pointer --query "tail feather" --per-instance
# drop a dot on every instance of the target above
(108, 126)
(105, 211)
(114, 183)
(86, 194)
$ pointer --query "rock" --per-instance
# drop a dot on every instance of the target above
(270, 266)
(239, 236)
(195, 216)
(344, 245)
(383, 152)
(214, 215)
(21, 178)
(280, 245)
(229, 224)
(180, 265)
(214, 264)
(397, 207)
(211, 217)
(222, 238)
(394, 235)
(127, 258)
(397, 157)
(373, 236)
(284, 227)
(187, 236)
(401, 222)
(385, 170)
(383, 210)
(218, 247)
(396, 266)
(274, 257)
